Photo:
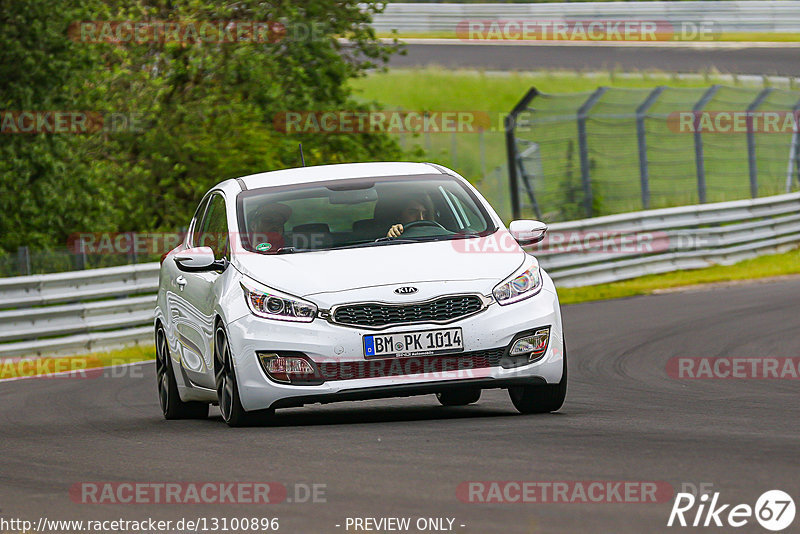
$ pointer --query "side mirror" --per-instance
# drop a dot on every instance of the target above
(199, 259)
(527, 232)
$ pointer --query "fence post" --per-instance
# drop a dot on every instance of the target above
(583, 148)
(644, 174)
(80, 258)
(482, 143)
(796, 112)
(427, 134)
(751, 141)
(513, 180)
(511, 149)
(698, 142)
(797, 159)
(453, 150)
(133, 256)
(794, 150)
(24, 260)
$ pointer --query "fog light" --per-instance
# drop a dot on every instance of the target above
(287, 369)
(534, 344)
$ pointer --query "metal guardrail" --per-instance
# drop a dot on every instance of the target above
(101, 309)
(77, 311)
(619, 247)
(765, 16)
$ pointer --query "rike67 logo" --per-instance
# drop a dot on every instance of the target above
(774, 510)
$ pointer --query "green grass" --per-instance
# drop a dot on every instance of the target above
(762, 267)
(436, 88)
(28, 367)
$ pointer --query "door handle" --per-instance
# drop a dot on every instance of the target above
(181, 281)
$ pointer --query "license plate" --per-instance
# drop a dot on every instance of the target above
(417, 343)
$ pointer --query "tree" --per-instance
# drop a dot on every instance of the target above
(204, 110)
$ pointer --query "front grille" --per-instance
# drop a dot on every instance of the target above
(376, 315)
(442, 363)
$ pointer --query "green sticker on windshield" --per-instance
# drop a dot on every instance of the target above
(263, 247)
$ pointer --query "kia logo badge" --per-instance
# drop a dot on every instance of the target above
(407, 290)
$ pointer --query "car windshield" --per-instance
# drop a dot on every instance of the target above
(359, 212)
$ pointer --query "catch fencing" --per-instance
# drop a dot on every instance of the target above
(100, 309)
(617, 150)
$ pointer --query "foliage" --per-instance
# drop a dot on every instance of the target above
(203, 111)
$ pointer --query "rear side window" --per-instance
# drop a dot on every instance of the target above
(213, 230)
(197, 220)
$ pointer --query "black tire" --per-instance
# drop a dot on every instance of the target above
(233, 413)
(459, 397)
(541, 399)
(171, 404)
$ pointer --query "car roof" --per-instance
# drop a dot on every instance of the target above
(340, 171)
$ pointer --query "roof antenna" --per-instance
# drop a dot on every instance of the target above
(302, 159)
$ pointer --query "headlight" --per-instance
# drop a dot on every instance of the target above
(272, 304)
(519, 286)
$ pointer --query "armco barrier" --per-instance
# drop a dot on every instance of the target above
(78, 311)
(758, 16)
(101, 309)
(687, 237)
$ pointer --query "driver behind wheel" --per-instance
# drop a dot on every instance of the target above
(412, 208)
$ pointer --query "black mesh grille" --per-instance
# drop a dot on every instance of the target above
(441, 309)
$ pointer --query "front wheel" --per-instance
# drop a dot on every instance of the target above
(541, 399)
(230, 405)
(171, 404)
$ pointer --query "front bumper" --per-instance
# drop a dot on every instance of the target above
(493, 328)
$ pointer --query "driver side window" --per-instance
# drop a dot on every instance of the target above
(214, 228)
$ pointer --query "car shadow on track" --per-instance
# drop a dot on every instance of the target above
(326, 415)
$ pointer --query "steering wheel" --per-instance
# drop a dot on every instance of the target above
(420, 223)
(418, 228)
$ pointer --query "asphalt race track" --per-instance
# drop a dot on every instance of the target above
(758, 60)
(624, 420)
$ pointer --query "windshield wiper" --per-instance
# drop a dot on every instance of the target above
(379, 242)
(291, 250)
(382, 240)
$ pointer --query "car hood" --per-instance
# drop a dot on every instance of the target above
(325, 271)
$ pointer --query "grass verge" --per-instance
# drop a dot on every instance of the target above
(767, 266)
(82, 365)
(442, 89)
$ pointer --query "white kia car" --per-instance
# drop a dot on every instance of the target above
(352, 282)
